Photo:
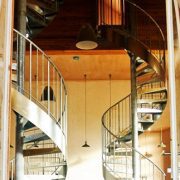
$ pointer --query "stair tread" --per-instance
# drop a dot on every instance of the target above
(145, 121)
(150, 101)
(153, 90)
(35, 137)
(142, 66)
(147, 79)
(148, 110)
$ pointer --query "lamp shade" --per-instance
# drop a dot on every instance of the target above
(86, 38)
(44, 96)
(85, 144)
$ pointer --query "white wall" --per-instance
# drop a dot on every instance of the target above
(85, 163)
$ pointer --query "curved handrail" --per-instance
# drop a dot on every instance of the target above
(39, 49)
(111, 137)
(161, 38)
(37, 102)
(54, 78)
(132, 147)
(106, 13)
(41, 72)
(116, 131)
(148, 15)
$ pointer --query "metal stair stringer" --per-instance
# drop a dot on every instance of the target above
(151, 93)
(40, 119)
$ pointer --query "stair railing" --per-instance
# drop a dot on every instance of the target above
(116, 120)
(41, 72)
(117, 130)
(46, 164)
(119, 13)
(116, 154)
(43, 84)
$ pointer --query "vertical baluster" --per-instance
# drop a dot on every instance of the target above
(48, 87)
(66, 119)
(12, 169)
(42, 72)
(54, 103)
(111, 13)
(126, 166)
(37, 72)
(122, 4)
(57, 98)
(122, 116)
(30, 71)
(105, 144)
(114, 144)
(61, 96)
(154, 173)
(118, 119)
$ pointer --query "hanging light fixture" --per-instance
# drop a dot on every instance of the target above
(86, 38)
(147, 154)
(44, 96)
(85, 144)
(162, 145)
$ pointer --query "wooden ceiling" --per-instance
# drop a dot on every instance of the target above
(62, 32)
(59, 38)
(97, 65)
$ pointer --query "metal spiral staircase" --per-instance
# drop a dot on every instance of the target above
(149, 53)
(44, 114)
(40, 14)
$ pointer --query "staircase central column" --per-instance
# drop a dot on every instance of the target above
(134, 119)
(20, 21)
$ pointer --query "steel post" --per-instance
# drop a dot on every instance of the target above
(20, 21)
(134, 119)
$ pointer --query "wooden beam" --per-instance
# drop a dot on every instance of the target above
(40, 151)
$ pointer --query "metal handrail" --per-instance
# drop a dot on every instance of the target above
(122, 3)
(135, 150)
(158, 27)
(110, 134)
(116, 138)
(150, 17)
(39, 49)
(56, 110)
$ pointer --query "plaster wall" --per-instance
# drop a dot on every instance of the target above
(85, 163)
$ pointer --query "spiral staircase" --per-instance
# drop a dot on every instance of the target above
(41, 101)
(149, 54)
(42, 105)
(40, 14)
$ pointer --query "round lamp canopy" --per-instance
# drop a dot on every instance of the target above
(86, 38)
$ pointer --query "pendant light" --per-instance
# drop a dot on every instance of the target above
(48, 90)
(148, 155)
(85, 143)
(162, 145)
(86, 38)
